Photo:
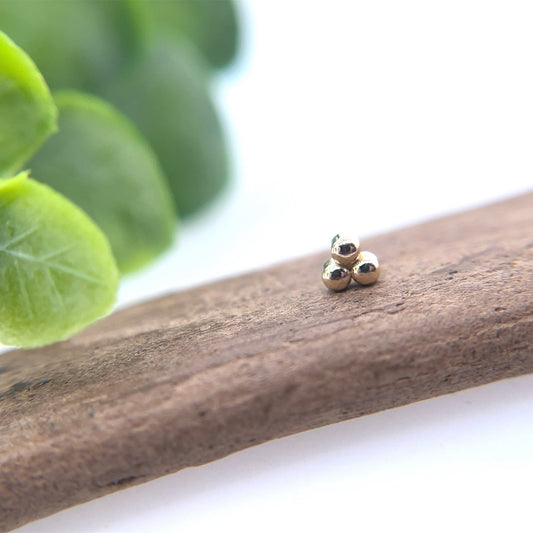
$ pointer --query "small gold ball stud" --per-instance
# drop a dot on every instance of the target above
(345, 250)
(366, 270)
(335, 276)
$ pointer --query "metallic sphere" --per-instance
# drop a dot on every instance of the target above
(335, 276)
(345, 250)
(366, 270)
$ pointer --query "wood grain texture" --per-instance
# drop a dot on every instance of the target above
(194, 376)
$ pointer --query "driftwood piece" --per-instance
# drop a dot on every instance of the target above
(194, 376)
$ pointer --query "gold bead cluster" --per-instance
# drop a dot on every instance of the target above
(347, 262)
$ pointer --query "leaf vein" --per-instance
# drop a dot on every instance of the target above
(59, 296)
(56, 266)
(23, 290)
(57, 253)
(19, 238)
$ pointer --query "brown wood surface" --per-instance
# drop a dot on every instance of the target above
(194, 376)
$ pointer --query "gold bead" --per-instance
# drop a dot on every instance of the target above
(345, 250)
(335, 276)
(367, 269)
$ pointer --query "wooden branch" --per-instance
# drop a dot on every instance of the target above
(194, 376)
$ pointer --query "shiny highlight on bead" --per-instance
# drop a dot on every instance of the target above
(347, 262)
(335, 276)
(345, 250)
(366, 270)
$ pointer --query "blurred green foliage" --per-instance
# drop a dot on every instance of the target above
(77, 44)
(210, 25)
(154, 59)
(28, 113)
(166, 93)
(101, 162)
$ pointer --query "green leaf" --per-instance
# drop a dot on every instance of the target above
(57, 271)
(76, 44)
(100, 162)
(210, 25)
(27, 111)
(166, 94)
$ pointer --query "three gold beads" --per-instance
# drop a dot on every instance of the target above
(349, 262)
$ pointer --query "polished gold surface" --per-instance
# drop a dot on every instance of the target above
(366, 270)
(335, 276)
(345, 250)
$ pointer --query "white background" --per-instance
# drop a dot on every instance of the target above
(356, 117)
